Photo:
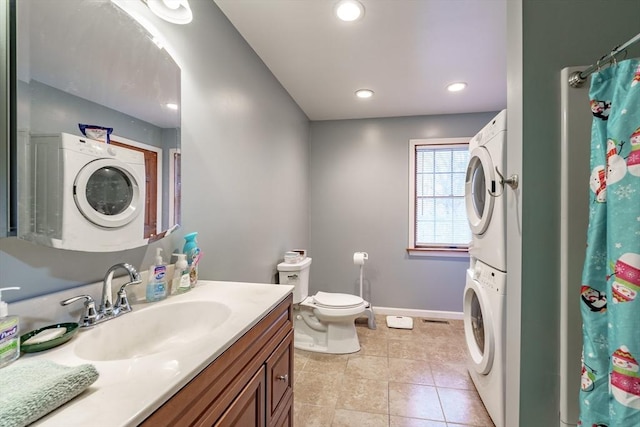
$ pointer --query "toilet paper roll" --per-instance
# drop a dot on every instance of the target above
(360, 257)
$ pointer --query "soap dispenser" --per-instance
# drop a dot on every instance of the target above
(9, 333)
(181, 282)
(157, 282)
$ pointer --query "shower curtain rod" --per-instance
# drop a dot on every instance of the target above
(578, 78)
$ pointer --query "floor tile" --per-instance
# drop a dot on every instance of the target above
(317, 388)
(365, 395)
(346, 418)
(410, 371)
(445, 350)
(399, 378)
(299, 360)
(451, 375)
(305, 415)
(464, 407)
(395, 421)
(373, 346)
(372, 367)
(333, 364)
(414, 401)
(414, 350)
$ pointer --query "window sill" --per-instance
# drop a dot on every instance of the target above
(437, 252)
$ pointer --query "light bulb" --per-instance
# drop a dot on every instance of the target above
(349, 10)
(364, 93)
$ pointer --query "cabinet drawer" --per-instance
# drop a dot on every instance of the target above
(279, 377)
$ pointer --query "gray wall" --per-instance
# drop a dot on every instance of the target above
(245, 173)
(544, 37)
(45, 109)
(359, 182)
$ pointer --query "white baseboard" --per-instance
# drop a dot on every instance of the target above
(430, 314)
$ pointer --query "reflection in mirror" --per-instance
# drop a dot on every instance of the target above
(89, 62)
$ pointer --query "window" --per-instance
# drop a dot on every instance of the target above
(437, 213)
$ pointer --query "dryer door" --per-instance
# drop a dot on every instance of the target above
(479, 180)
(108, 193)
(477, 326)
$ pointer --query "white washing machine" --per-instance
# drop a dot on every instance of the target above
(484, 193)
(85, 195)
(485, 335)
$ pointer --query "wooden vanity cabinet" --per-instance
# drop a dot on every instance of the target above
(250, 384)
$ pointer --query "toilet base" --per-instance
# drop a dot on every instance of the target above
(310, 334)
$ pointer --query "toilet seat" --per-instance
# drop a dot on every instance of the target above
(337, 300)
(335, 305)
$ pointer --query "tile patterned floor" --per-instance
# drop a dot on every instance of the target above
(399, 378)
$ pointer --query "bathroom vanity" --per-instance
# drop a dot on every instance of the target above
(219, 355)
(250, 384)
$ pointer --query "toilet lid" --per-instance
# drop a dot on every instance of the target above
(335, 300)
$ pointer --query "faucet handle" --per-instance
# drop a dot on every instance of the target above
(122, 304)
(90, 315)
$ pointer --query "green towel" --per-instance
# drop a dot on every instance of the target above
(32, 389)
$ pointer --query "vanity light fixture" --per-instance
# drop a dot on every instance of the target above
(174, 11)
(456, 87)
(349, 10)
(364, 93)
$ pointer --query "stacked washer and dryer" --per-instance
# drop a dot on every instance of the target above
(485, 291)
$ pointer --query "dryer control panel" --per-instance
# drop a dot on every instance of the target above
(490, 278)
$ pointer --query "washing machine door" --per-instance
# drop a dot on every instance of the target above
(477, 326)
(480, 179)
(108, 193)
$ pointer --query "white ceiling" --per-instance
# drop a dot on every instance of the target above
(406, 51)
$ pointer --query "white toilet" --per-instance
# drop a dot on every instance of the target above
(324, 322)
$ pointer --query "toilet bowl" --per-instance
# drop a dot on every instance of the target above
(324, 322)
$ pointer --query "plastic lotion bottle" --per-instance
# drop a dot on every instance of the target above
(9, 333)
(181, 282)
(193, 256)
(157, 283)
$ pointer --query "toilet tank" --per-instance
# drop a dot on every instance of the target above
(297, 275)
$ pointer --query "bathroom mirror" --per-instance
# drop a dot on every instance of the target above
(89, 62)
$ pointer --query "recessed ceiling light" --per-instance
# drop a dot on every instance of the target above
(456, 87)
(171, 106)
(349, 10)
(364, 93)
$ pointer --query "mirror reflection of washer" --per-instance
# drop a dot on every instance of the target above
(89, 196)
(484, 302)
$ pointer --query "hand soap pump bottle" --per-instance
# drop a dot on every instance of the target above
(193, 256)
(9, 333)
(181, 282)
(157, 282)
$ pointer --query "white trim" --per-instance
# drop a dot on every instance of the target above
(158, 151)
(412, 312)
(437, 253)
(444, 143)
(172, 186)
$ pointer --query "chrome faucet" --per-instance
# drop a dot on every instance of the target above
(106, 306)
(107, 310)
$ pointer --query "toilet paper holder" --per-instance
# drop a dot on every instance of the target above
(360, 257)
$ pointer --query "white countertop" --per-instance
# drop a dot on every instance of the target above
(129, 390)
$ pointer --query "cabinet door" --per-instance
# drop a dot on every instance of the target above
(279, 378)
(247, 410)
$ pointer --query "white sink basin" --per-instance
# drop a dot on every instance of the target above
(150, 330)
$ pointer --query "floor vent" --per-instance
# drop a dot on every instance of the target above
(444, 322)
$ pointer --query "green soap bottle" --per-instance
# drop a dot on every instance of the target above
(9, 333)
